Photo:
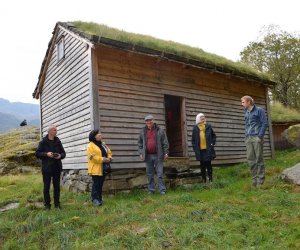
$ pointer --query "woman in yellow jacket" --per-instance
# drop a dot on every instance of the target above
(99, 158)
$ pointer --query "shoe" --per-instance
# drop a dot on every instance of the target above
(163, 193)
(96, 203)
(150, 192)
(47, 207)
(254, 184)
(58, 207)
(260, 182)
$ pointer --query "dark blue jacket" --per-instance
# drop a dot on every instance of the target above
(50, 164)
(209, 153)
(256, 122)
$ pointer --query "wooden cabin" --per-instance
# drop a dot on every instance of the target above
(90, 79)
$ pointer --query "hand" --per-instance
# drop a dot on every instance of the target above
(56, 156)
(50, 154)
(106, 160)
(166, 156)
(142, 158)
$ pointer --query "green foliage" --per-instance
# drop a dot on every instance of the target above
(278, 54)
(166, 46)
(227, 216)
(279, 113)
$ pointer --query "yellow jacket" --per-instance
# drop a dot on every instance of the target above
(95, 159)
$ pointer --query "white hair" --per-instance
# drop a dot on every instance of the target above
(198, 117)
(51, 127)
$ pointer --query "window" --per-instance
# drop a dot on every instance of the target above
(60, 47)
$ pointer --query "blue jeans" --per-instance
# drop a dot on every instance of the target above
(97, 185)
(152, 164)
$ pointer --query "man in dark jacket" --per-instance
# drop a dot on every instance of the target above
(153, 148)
(51, 152)
(255, 126)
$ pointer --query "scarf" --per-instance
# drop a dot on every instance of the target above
(102, 148)
(201, 127)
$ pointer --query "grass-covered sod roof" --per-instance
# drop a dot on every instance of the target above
(213, 61)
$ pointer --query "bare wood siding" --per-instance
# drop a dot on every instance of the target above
(65, 100)
(133, 85)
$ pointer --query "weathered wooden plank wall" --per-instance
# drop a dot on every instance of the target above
(133, 85)
(65, 99)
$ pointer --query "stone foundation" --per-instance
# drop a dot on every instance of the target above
(177, 173)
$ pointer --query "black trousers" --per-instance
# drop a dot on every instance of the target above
(55, 177)
(97, 187)
(205, 166)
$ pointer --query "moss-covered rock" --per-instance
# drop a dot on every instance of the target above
(292, 134)
(17, 150)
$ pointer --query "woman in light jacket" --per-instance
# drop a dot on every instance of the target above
(203, 141)
(99, 158)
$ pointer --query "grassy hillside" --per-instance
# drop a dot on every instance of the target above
(279, 113)
(227, 215)
(17, 148)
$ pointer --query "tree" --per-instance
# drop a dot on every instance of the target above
(278, 54)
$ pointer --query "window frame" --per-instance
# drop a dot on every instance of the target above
(60, 49)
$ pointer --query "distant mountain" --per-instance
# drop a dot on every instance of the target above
(13, 113)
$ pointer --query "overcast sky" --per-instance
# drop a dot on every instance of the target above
(217, 26)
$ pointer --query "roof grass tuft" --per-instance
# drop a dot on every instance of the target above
(279, 113)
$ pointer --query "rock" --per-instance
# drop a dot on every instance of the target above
(292, 174)
(112, 185)
(81, 186)
(9, 206)
(166, 244)
(7, 167)
(28, 170)
(139, 181)
(36, 204)
(83, 172)
(178, 164)
(68, 185)
(31, 136)
(292, 135)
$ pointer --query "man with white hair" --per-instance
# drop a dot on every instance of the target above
(51, 152)
(255, 126)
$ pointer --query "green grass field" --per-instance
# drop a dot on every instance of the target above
(229, 214)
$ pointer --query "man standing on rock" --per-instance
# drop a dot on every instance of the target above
(153, 149)
(51, 152)
(255, 126)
